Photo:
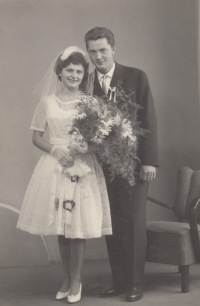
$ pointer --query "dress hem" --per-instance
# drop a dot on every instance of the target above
(72, 235)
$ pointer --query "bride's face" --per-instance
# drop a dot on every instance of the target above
(72, 76)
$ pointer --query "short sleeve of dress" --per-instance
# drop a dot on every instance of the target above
(39, 121)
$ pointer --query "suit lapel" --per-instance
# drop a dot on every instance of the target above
(97, 87)
(117, 75)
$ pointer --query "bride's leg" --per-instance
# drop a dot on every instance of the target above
(77, 247)
(64, 247)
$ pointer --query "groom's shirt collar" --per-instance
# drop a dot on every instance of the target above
(109, 74)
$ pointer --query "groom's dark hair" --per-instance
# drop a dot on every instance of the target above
(98, 33)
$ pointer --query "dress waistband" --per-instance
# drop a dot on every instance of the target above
(59, 141)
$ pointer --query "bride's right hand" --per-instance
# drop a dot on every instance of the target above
(63, 157)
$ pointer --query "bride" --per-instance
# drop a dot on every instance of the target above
(67, 193)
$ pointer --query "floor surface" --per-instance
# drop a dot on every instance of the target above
(37, 286)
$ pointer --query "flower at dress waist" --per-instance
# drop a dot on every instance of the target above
(77, 143)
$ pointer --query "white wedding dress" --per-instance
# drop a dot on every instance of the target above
(53, 203)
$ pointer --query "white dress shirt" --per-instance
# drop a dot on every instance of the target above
(109, 76)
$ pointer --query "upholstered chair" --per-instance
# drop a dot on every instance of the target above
(177, 243)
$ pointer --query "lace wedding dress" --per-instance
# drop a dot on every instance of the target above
(54, 204)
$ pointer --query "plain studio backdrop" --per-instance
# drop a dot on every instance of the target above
(157, 36)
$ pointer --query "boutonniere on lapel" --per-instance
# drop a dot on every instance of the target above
(110, 127)
(112, 94)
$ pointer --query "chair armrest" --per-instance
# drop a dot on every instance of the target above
(194, 228)
(159, 203)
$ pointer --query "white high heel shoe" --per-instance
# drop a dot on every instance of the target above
(62, 295)
(75, 298)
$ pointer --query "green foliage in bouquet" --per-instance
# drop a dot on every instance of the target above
(111, 129)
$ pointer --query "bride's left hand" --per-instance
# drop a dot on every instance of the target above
(67, 160)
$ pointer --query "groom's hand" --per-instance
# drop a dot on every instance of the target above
(147, 173)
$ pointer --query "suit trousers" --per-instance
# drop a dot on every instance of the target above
(127, 246)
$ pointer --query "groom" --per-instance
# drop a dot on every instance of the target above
(127, 246)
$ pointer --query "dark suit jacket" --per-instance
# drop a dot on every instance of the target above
(136, 80)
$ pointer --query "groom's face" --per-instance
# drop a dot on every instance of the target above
(101, 54)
